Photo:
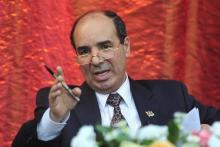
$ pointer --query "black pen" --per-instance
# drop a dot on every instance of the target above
(68, 90)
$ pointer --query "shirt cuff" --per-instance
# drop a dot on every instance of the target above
(48, 129)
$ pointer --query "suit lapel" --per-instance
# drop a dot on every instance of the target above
(88, 110)
(145, 103)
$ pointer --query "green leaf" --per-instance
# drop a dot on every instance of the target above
(100, 131)
(147, 142)
(174, 132)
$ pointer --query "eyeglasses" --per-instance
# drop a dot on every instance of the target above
(105, 52)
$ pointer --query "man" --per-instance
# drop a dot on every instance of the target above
(102, 46)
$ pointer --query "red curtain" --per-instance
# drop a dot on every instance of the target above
(171, 39)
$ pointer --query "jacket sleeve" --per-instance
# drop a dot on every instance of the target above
(27, 134)
(208, 114)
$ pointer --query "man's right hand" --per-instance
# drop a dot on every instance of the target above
(60, 102)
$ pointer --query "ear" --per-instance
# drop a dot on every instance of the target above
(127, 46)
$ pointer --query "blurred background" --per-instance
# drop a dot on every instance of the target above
(171, 39)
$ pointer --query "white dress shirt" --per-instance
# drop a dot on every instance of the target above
(127, 106)
(47, 129)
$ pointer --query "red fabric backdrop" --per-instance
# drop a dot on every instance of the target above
(171, 39)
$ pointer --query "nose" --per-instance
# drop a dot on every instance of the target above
(95, 58)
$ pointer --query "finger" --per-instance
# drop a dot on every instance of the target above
(205, 126)
(59, 71)
(77, 91)
(56, 86)
(60, 78)
(55, 94)
(55, 90)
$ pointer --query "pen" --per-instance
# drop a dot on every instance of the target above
(63, 84)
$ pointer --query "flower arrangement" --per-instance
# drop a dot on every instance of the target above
(172, 135)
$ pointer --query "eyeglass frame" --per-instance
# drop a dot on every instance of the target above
(90, 56)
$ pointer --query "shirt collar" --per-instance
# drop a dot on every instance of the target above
(123, 91)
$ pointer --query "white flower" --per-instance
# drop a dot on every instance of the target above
(189, 145)
(152, 132)
(179, 117)
(215, 128)
(86, 137)
(112, 135)
(117, 132)
(132, 133)
(214, 141)
(192, 139)
(129, 144)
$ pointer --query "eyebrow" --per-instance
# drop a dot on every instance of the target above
(104, 43)
(97, 44)
(82, 47)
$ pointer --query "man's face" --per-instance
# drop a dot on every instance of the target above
(97, 31)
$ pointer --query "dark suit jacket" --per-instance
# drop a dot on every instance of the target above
(163, 97)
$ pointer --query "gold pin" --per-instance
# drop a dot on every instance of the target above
(150, 113)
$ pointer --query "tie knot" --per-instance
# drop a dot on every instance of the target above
(114, 99)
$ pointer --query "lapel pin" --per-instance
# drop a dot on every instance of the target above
(150, 113)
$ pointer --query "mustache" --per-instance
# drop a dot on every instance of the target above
(100, 68)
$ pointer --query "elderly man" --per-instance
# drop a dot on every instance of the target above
(109, 95)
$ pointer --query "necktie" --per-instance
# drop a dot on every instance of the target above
(114, 100)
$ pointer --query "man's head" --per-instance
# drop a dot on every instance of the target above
(118, 22)
(102, 47)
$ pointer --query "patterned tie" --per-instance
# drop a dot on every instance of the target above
(114, 100)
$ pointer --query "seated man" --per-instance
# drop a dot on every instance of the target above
(109, 94)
